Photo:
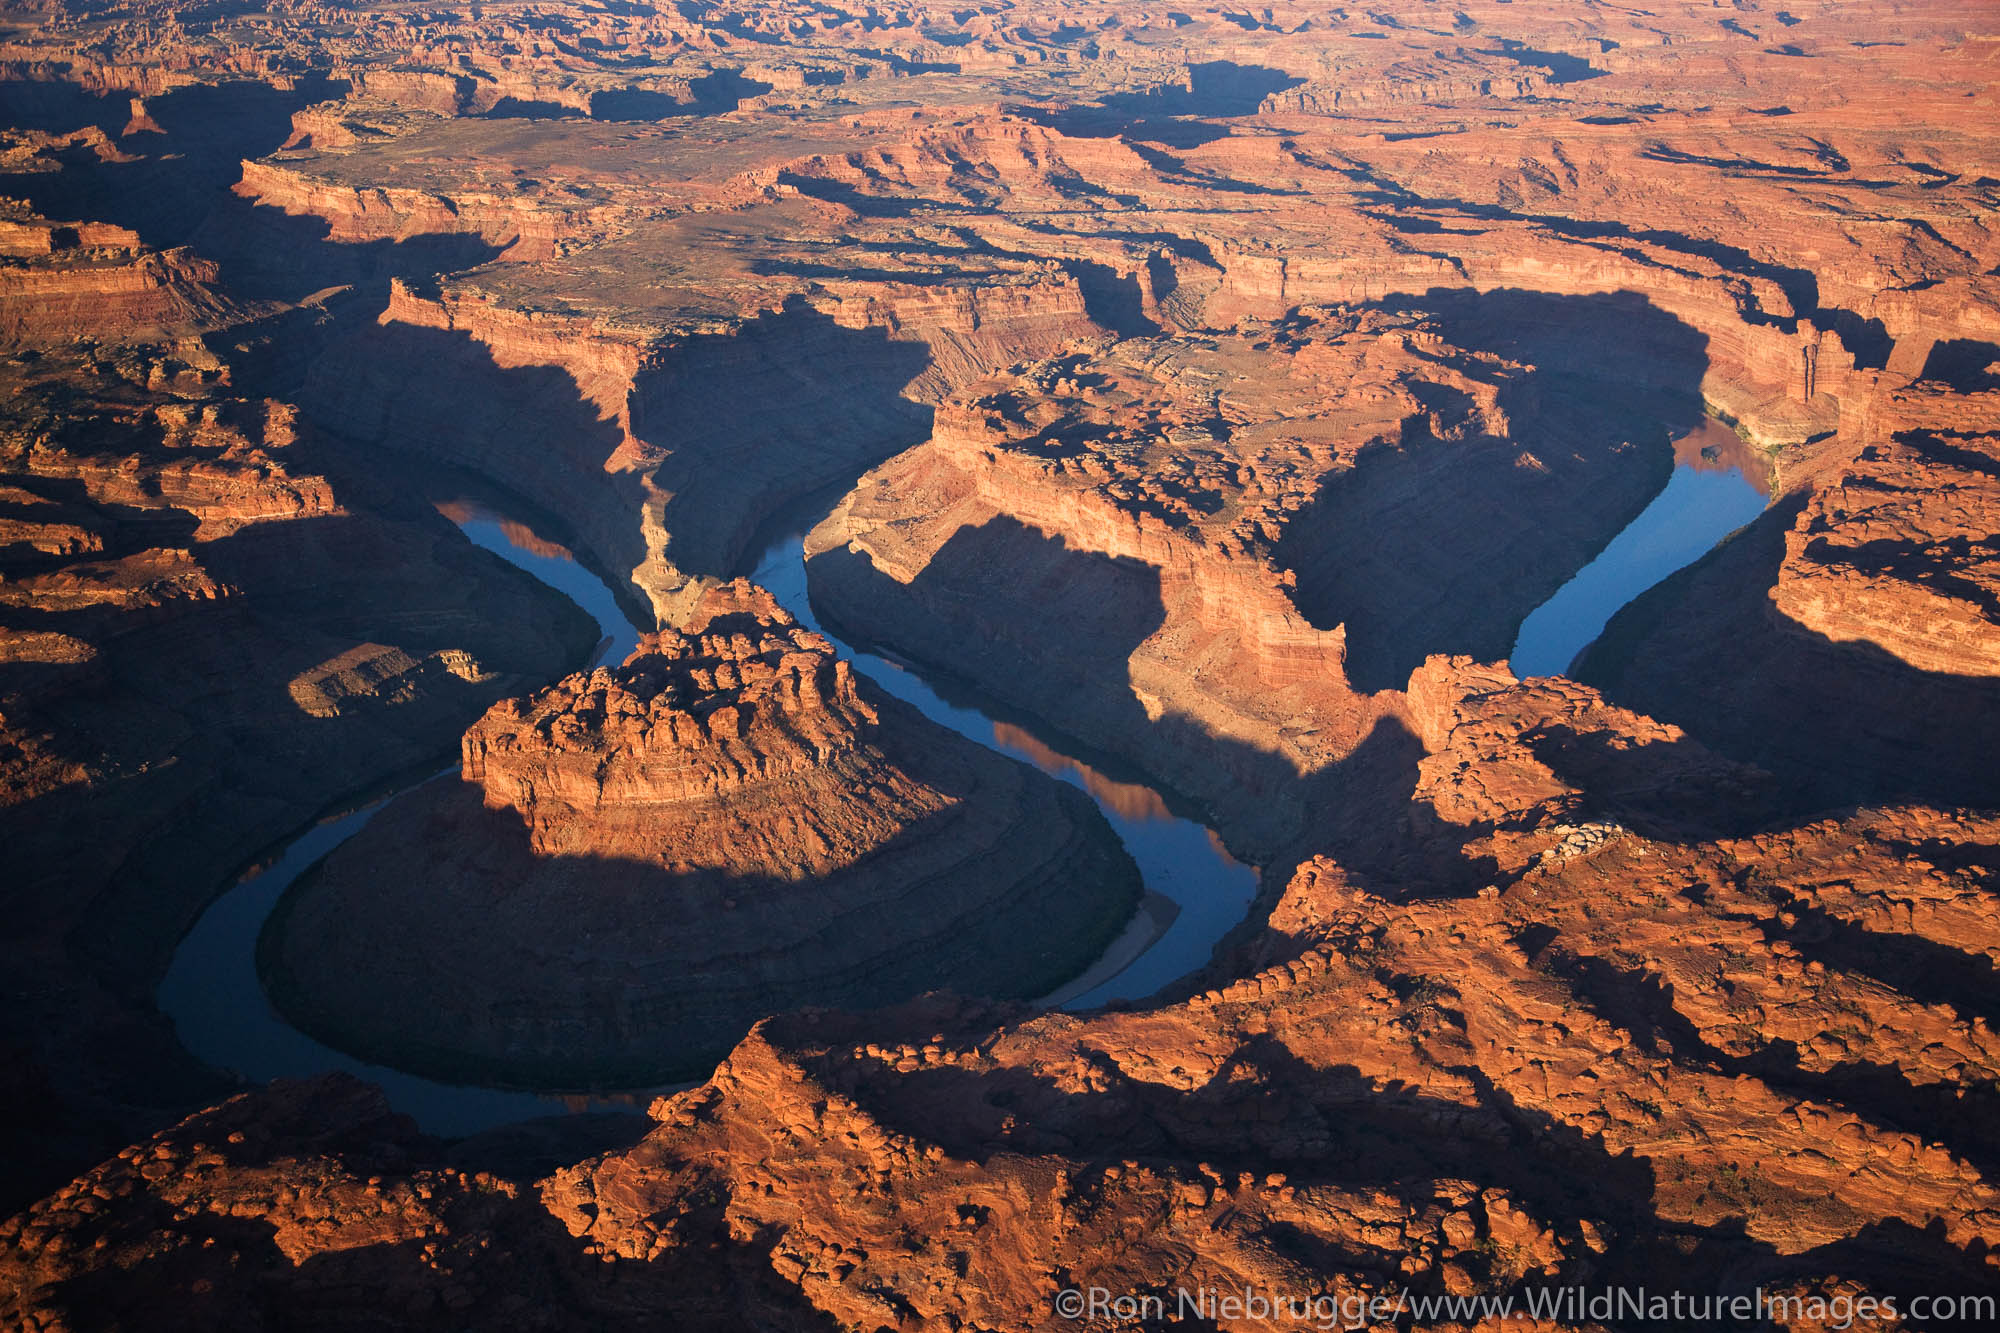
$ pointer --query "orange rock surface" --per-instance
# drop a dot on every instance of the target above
(641, 862)
(1220, 387)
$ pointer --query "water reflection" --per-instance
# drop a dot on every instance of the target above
(212, 991)
(1196, 892)
(216, 1001)
(1709, 496)
(1127, 800)
(552, 563)
(1714, 447)
(517, 534)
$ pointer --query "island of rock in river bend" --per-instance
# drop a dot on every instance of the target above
(1332, 339)
(641, 862)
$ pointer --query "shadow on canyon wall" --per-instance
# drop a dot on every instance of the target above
(1444, 545)
(1837, 723)
(176, 174)
(266, 253)
(210, 687)
(752, 420)
(1049, 631)
(1966, 364)
(1213, 88)
(1068, 666)
(1640, 1003)
(201, 760)
(522, 967)
(1267, 1109)
(712, 94)
(509, 1262)
(1177, 115)
(726, 429)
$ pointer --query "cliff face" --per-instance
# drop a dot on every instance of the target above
(520, 230)
(1898, 551)
(1637, 1057)
(739, 698)
(204, 641)
(1524, 1104)
(1221, 386)
(1537, 1080)
(1196, 551)
(639, 863)
(109, 293)
(1845, 640)
(668, 447)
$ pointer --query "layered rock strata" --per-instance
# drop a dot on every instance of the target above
(639, 863)
(1201, 551)
(205, 640)
(1645, 1054)
(668, 268)
(1846, 640)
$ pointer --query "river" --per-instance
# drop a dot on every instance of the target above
(1698, 508)
(1195, 891)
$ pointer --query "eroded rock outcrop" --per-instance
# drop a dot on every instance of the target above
(1682, 1061)
(1197, 551)
(1550, 982)
(1845, 640)
(205, 640)
(640, 862)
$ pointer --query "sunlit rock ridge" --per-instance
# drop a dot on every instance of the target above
(1211, 392)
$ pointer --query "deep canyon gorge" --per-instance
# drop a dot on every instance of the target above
(770, 664)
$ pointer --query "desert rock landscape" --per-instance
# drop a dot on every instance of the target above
(1195, 404)
(643, 862)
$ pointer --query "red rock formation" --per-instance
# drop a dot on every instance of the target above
(1200, 505)
(75, 294)
(1681, 1062)
(641, 862)
(668, 447)
(180, 590)
(1898, 551)
(1309, 341)
(1845, 641)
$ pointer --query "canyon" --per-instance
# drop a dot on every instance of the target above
(641, 862)
(1210, 395)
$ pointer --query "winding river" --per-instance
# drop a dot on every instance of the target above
(1195, 891)
(1699, 507)
(212, 991)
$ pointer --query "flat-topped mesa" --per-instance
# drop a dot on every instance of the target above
(643, 861)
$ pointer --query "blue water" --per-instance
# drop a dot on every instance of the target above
(213, 995)
(1178, 858)
(217, 1003)
(212, 991)
(561, 572)
(1698, 508)
(219, 1008)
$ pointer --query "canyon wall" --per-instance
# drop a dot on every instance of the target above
(1220, 386)
(640, 862)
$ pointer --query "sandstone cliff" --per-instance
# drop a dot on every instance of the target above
(1197, 551)
(639, 863)
(204, 641)
(1230, 382)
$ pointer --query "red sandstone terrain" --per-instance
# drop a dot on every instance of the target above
(643, 861)
(1219, 388)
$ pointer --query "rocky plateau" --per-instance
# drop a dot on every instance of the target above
(1211, 392)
